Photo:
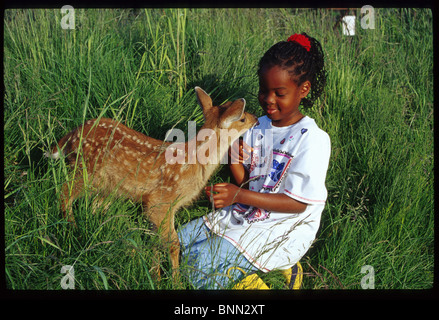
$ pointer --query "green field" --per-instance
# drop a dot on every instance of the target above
(141, 67)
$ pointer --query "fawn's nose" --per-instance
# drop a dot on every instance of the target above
(255, 119)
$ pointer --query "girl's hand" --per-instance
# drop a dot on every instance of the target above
(223, 194)
(226, 194)
(239, 152)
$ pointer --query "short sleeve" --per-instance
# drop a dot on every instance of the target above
(306, 175)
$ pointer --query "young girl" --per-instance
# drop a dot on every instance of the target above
(269, 218)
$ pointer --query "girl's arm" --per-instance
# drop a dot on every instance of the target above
(238, 153)
(240, 175)
(225, 194)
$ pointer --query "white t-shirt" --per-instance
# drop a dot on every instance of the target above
(292, 160)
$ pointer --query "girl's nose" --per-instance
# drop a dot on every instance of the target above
(269, 98)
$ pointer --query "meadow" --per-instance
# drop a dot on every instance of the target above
(141, 66)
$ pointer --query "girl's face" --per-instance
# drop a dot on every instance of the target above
(280, 97)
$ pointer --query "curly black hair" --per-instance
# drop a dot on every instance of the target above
(301, 64)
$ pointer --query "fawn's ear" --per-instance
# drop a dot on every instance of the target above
(203, 99)
(233, 113)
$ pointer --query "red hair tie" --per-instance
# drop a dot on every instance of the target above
(300, 39)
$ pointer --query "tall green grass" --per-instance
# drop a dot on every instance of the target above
(140, 66)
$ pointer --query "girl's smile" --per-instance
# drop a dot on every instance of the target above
(280, 96)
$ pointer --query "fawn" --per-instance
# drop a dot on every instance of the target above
(133, 165)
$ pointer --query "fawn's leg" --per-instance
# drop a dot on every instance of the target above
(163, 218)
(152, 214)
(174, 251)
(169, 236)
(69, 193)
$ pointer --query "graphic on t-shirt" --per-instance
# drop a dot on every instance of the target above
(276, 170)
(240, 208)
(251, 214)
(256, 215)
(281, 161)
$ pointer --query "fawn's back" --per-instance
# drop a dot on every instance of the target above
(116, 157)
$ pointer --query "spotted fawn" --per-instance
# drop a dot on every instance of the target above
(121, 160)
